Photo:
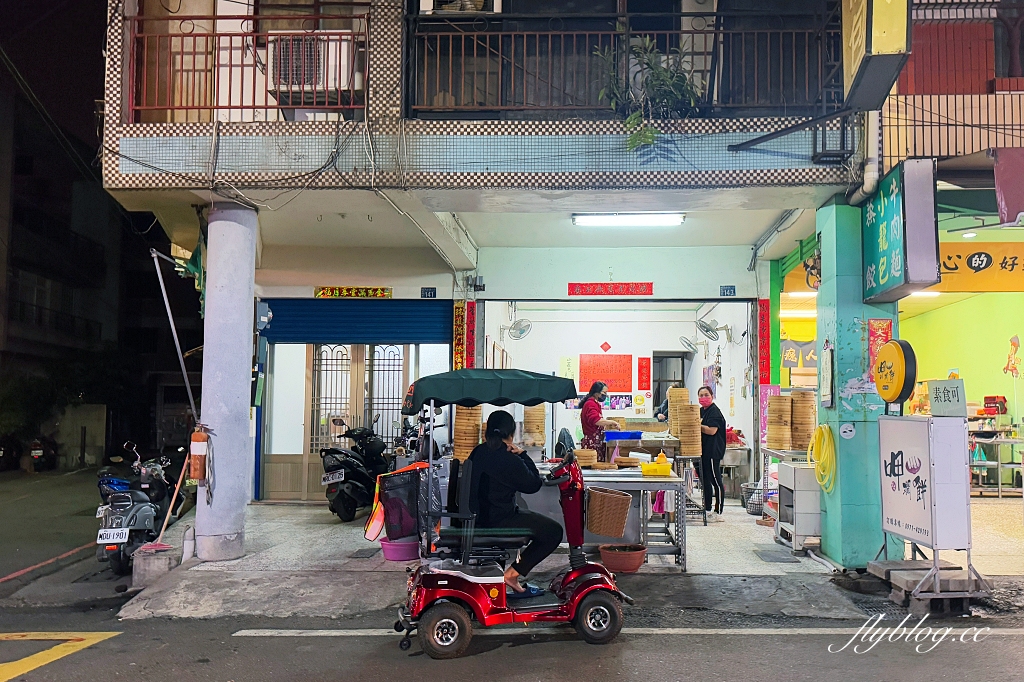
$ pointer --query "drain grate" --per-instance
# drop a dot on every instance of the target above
(366, 553)
(774, 557)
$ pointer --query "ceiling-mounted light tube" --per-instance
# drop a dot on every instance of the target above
(628, 219)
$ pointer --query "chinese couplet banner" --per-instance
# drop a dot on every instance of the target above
(643, 374)
(879, 334)
(459, 336)
(764, 341)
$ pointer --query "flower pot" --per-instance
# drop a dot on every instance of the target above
(623, 558)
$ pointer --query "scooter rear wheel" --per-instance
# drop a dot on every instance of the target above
(344, 507)
(445, 631)
(598, 617)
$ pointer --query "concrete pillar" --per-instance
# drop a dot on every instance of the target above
(851, 522)
(227, 376)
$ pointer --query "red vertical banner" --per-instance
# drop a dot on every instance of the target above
(764, 341)
(643, 374)
(459, 336)
(879, 334)
(470, 334)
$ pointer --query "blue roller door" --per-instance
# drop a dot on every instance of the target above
(339, 320)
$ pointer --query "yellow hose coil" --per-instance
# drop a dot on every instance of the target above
(822, 454)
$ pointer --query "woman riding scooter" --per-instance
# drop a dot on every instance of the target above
(500, 470)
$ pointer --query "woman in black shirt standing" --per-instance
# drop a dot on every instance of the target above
(712, 450)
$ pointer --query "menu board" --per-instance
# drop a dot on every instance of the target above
(614, 370)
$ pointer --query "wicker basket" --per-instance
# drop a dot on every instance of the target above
(607, 511)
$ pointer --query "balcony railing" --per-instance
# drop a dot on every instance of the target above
(249, 68)
(478, 67)
(67, 325)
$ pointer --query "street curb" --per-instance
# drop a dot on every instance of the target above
(49, 567)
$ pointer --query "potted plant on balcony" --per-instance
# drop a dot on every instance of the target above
(656, 86)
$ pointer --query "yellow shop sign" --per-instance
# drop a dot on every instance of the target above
(981, 266)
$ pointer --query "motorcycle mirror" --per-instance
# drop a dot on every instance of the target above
(128, 445)
(438, 410)
(376, 418)
(396, 425)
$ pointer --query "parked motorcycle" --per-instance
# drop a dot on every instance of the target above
(134, 508)
(10, 453)
(44, 453)
(350, 474)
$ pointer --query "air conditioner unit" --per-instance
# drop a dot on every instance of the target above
(304, 68)
(445, 6)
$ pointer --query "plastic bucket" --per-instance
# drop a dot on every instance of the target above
(406, 550)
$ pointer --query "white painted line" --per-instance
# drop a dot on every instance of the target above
(675, 632)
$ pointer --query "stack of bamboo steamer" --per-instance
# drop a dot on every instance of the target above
(533, 425)
(805, 419)
(780, 422)
(684, 421)
(585, 458)
(467, 430)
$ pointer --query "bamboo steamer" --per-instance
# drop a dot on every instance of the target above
(586, 458)
(688, 430)
(804, 420)
(600, 466)
(780, 421)
(534, 419)
(678, 403)
(467, 431)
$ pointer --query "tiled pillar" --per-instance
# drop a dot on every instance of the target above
(227, 376)
(851, 523)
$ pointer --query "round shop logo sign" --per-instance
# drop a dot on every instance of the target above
(638, 400)
(847, 431)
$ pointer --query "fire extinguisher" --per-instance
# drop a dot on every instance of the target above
(198, 450)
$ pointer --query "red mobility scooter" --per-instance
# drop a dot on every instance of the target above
(461, 574)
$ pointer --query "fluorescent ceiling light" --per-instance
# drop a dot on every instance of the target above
(925, 294)
(800, 294)
(969, 235)
(628, 219)
(798, 314)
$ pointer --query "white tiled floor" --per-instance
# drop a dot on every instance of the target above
(727, 548)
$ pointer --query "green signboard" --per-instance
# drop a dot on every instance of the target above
(900, 233)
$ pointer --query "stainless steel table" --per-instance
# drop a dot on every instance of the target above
(659, 538)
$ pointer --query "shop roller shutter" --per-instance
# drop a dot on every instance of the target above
(397, 321)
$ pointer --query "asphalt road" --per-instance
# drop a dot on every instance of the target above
(44, 515)
(779, 650)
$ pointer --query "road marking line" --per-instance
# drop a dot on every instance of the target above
(782, 632)
(65, 555)
(71, 642)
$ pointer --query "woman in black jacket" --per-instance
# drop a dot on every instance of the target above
(712, 450)
(500, 470)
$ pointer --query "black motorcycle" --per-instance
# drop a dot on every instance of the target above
(43, 451)
(134, 507)
(350, 474)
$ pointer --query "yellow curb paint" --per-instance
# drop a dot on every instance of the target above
(70, 643)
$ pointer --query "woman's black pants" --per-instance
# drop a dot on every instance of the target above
(545, 534)
(711, 481)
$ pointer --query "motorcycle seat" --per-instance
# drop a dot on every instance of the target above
(138, 496)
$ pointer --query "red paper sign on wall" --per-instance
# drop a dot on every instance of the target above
(879, 334)
(611, 288)
(470, 334)
(764, 341)
(614, 370)
(643, 374)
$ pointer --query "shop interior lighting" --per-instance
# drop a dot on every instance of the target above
(628, 219)
(925, 294)
(800, 294)
(969, 235)
(797, 314)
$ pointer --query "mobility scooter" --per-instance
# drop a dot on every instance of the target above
(461, 574)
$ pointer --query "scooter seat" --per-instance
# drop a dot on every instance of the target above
(453, 540)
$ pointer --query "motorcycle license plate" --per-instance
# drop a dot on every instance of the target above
(101, 510)
(112, 536)
(333, 477)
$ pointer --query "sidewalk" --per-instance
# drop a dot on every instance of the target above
(300, 562)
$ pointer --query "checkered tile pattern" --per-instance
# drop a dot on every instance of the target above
(417, 153)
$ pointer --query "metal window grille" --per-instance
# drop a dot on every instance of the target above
(297, 61)
(331, 394)
(384, 379)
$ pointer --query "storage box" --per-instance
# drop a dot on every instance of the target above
(623, 435)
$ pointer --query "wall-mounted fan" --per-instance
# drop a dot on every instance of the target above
(518, 330)
(710, 329)
(690, 345)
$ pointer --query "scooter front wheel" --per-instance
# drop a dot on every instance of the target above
(598, 617)
(445, 631)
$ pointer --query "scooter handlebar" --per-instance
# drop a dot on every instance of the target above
(548, 480)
